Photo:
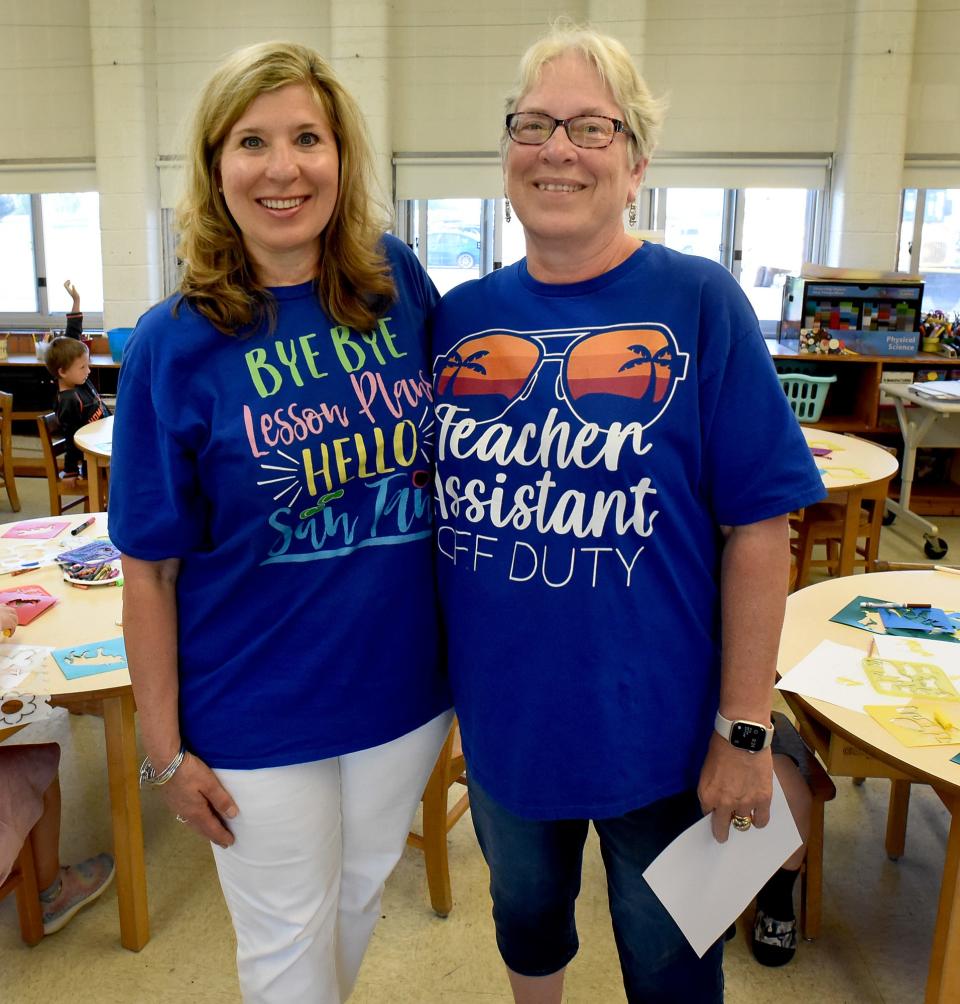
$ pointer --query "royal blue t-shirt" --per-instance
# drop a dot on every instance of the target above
(592, 439)
(290, 475)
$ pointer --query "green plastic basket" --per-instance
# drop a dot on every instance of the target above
(806, 394)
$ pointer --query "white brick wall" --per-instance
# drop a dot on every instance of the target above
(46, 87)
(933, 111)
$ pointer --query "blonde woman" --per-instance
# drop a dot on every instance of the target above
(272, 430)
(612, 435)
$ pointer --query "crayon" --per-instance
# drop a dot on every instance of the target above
(941, 719)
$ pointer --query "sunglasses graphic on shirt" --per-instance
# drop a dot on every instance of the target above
(625, 373)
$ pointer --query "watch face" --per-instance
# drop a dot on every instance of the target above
(746, 736)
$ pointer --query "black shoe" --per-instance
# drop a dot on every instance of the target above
(774, 941)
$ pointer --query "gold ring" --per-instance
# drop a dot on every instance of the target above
(742, 823)
(180, 818)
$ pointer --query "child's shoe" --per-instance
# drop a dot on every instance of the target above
(76, 887)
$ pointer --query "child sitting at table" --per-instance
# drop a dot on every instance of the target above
(30, 804)
(78, 402)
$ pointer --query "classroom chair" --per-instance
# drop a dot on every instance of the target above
(54, 446)
(823, 790)
(23, 881)
(6, 450)
(438, 819)
(822, 523)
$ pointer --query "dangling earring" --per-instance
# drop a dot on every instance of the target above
(506, 209)
(632, 215)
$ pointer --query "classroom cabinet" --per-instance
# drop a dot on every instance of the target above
(854, 405)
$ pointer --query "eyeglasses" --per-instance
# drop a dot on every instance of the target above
(624, 374)
(591, 132)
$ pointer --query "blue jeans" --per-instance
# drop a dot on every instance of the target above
(535, 878)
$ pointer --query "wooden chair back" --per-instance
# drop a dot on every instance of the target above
(7, 478)
(53, 445)
(439, 818)
(822, 523)
(23, 881)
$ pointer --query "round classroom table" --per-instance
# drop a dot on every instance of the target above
(82, 616)
(852, 744)
(95, 440)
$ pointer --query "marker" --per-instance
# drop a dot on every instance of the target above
(83, 526)
(895, 606)
(941, 719)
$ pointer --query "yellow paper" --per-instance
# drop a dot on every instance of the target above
(916, 724)
(898, 678)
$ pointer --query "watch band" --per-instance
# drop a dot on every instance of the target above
(724, 727)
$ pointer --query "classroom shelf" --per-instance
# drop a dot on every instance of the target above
(853, 406)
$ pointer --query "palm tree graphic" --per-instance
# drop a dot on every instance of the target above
(662, 357)
(470, 363)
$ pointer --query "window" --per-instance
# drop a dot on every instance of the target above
(452, 240)
(18, 281)
(774, 245)
(760, 235)
(694, 221)
(44, 240)
(930, 244)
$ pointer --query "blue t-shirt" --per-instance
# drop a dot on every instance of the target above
(290, 475)
(592, 439)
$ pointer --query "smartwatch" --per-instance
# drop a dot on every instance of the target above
(743, 735)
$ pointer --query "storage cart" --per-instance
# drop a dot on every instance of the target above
(931, 423)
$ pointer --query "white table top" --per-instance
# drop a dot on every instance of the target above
(852, 461)
(80, 616)
(96, 437)
(808, 623)
(904, 392)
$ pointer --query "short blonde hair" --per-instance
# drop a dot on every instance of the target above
(642, 112)
(353, 282)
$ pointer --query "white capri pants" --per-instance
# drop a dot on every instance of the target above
(315, 843)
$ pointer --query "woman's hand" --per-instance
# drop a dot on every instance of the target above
(198, 798)
(735, 782)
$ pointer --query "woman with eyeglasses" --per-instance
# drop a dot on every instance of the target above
(615, 463)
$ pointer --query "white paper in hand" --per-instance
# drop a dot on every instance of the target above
(705, 886)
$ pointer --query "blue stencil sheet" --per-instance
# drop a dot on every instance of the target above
(90, 659)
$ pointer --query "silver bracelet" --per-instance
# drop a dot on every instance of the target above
(148, 775)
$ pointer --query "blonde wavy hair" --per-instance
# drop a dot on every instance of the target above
(353, 281)
(642, 112)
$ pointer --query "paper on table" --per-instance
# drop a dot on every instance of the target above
(705, 885)
(834, 673)
(19, 662)
(21, 709)
(944, 654)
(943, 390)
(90, 659)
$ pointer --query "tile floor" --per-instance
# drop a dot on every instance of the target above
(878, 914)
